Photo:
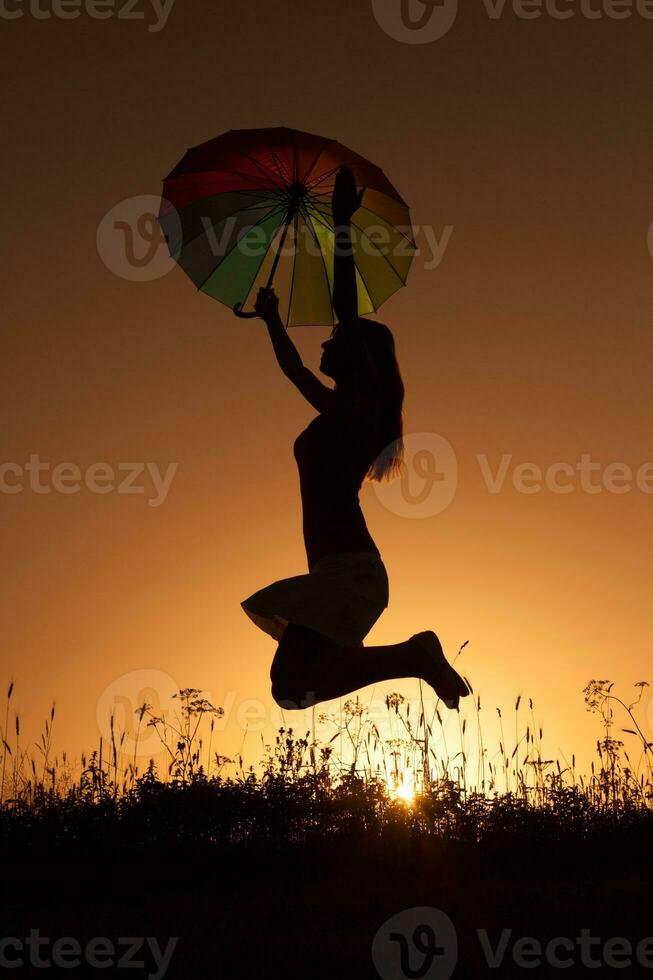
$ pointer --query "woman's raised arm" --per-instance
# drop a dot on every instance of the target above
(267, 307)
(288, 357)
(345, 202)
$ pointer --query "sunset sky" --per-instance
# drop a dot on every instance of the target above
(531, 142)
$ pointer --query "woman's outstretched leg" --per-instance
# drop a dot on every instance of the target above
(309, 667)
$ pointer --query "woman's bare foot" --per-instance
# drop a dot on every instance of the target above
(437, 671)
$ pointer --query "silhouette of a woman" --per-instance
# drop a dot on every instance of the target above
(320, 619)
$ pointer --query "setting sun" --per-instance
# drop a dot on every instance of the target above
(405, 792)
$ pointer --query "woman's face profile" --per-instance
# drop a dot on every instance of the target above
(331, 353)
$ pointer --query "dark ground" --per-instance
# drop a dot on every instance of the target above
(312, 910)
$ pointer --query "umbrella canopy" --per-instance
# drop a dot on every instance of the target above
(252, 208)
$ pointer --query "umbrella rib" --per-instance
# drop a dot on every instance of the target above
(392, 227)
(307, 174)
(235, 173)
(249, 207)
(283, 173)
(254, 207)
(371, 166)
(295, 157)
(261, 166)
(266, 171)
(325, 176)
(317, 204)
(274, 202)
(227, 254)
(263, 182)
(363, 232)
(294, 265)
(402, 281)
(315, 161)
(330, 228)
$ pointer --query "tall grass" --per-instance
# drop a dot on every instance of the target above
(419, 756)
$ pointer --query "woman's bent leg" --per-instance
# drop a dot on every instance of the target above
(309, 667)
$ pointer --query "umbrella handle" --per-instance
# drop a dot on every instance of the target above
(289, 217)
(244, 316)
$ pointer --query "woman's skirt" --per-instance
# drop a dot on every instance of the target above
(341, 597)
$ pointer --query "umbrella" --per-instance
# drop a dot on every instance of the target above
(252, 208)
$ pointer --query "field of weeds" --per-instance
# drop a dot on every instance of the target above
(318, 864)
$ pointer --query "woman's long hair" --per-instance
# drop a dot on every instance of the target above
(390, 450)
(388, 462)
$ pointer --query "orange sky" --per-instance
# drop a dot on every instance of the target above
(532, 337)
